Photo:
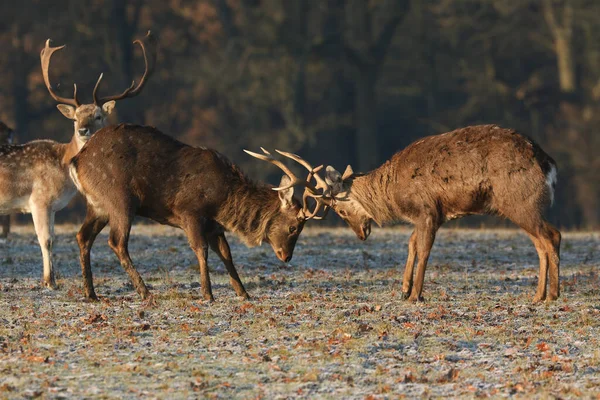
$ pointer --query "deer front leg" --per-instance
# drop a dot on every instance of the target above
(218, 243)
(425, 238)
(410, 264)
(196, 232)
(43, 221)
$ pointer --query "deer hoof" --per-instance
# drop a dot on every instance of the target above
(91, 299)
(416, 299)
(51, 285)
(551, 297)
(209, 297)
(538, 299)
(245, 296)
(405, 295)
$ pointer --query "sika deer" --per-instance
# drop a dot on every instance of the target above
(34, 177)
(474, 170)
(131, 170)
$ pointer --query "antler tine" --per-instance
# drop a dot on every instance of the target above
(320, 202)
(45, 56)
(295, 181)
(321, 184)
(134, 90)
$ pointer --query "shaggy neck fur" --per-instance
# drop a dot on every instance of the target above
(249, 210)
(372, 191)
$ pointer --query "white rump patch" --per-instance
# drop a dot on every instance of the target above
(551, 182)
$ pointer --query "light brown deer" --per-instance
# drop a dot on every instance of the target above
(131, 170)
(474, 170)
(34, 176)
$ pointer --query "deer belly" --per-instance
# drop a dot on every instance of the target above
(63, 199)
(16, 204)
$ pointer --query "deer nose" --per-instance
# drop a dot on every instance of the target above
(283, 256)
(83, 131)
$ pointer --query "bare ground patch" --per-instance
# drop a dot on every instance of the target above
(329, 325)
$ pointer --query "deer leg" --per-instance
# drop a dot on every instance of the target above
(218, 243)
(425, 238)
(5, 226)
(553, 252)
(197, 238)
(410, 265)
(118, 242)
(540, 247)
(86, 236)
(43, 221)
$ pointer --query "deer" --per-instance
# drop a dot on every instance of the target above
(6, 137)
(132, 170)
(34, 177)
(476, 170)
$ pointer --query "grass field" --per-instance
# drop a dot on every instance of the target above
(331, 324)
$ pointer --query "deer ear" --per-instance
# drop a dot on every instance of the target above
(108, 106)
(347, 173)
(333, 179)
(286, 196)
(67, 111)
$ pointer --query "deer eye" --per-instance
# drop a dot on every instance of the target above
(293, 229)
(343, 213)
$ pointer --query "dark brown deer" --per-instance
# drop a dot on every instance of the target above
(474, 170)
(6, 137)
(34, 176)
(131, 170)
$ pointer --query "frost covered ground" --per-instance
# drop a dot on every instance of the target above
(330, 324)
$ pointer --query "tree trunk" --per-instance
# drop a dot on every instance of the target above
(367, 145)
(566, 63)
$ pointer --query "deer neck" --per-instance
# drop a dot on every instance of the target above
(248, 211)
(372, 192)
(71, 149)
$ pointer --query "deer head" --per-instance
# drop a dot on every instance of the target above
(293, 214)
(344, 204)
(335, 192)
(89, 118)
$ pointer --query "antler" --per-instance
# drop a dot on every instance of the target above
(133, 90)
(324, 200)
(310, 189)
(45, 56)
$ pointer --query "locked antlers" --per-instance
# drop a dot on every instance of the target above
(310, 190)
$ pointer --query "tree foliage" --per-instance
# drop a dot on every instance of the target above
(340, 81)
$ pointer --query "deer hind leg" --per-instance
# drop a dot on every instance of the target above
(43, 221)
(553, 250)
(218, 243)
(196, 233)
(5, 226)
(118, 241)
(425, 231)
(541, 248)
(407, 283)
(92, 226)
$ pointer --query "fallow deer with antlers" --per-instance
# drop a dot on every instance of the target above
(474, 170)
(34, 176)
(131, 170)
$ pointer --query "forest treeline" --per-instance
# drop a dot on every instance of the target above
(337, 81)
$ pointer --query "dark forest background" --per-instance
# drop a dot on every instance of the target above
(337, 81)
